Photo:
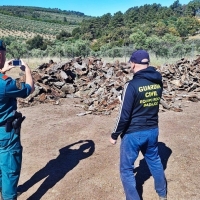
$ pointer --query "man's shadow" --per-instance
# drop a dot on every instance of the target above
(142, 170)
(57, 168)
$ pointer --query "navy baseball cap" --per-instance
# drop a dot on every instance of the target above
(138, 56)
(2, 46)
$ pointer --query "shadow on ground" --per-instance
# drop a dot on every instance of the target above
(57, 168)
(142, 170)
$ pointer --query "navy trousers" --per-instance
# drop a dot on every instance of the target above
(10, 163)
(146, 142)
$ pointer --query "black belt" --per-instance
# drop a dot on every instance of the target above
(2, 124)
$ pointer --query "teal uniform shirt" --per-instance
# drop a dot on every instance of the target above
(8, 94)
(10, 144)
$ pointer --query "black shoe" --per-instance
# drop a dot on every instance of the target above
(19, 193)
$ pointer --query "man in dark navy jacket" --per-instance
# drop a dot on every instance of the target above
(137, 124)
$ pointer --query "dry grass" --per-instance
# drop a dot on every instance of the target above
(162, 61)
(14, 72)
(35, 62)
(195, 37)
(154, 60)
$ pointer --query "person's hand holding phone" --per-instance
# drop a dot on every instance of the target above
(13, 63)
(23, 66)
(29, 79)
(7, 66)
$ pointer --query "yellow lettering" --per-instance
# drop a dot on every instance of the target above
(156, 99)
(151, 94)
(140, 89)
(149, 87)
(145, 101)
(150, 104)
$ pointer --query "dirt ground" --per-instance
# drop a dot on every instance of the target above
(69, 157)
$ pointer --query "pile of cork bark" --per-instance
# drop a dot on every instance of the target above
(98, 84)
(181, 83)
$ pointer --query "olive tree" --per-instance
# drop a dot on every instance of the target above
(138, 38)
(81, 48)
(16, 49)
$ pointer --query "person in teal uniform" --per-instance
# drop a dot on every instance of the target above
(10, 124)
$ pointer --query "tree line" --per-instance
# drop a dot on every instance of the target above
(166, 47)
(43, 14)
(164, 31)
(177, 20)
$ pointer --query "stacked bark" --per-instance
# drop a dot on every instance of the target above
(99, 85)
(181, 82)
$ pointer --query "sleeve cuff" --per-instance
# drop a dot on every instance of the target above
(28, 89)
(114, 136)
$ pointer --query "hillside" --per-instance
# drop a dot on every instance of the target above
(26, 28)
(44, 14)
(26, 22)
(166, 32)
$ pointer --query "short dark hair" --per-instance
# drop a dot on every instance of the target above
(2, 46)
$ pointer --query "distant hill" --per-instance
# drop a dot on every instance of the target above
(165, 31)
(26, 22)
(44, 14)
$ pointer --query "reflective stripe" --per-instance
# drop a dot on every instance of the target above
(119, 115)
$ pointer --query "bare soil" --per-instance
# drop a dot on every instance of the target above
(68, 157)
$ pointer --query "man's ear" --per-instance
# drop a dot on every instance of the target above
(132, 65)
(0, 57)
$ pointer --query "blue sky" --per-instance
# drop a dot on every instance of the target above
(90, 7)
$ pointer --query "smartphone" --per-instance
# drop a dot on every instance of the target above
(16, 63)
